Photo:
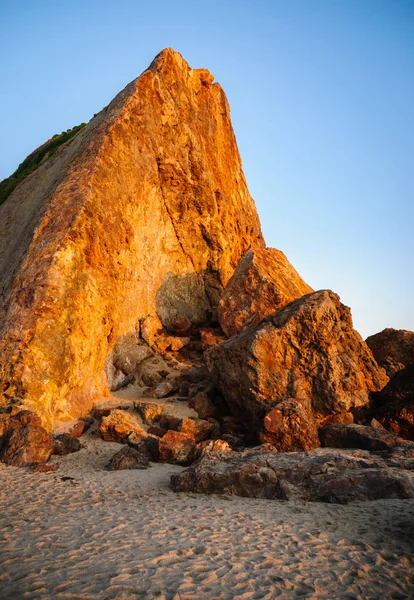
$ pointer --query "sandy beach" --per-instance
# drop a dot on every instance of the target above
(84, 533)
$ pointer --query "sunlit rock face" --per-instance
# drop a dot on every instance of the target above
(149, 194)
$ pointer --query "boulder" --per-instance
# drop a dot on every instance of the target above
(149, 411)
(177, 448)
(322, 475)
(211, 446)
(65, 444)
(203, 405)
(211, 337)
(345, 418)
(128, 458)
(395, 404)
(148, 446)
(163, 389)
(144, 213)
(290, 427)
(308, 349)
(199, 429)
(118, 425)
(336, 435)
(26, 445)
(393, 349)
(81, 426)
(263, 282)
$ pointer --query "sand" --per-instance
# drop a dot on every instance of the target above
(125, 535)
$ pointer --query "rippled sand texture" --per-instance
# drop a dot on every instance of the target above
(125, 535)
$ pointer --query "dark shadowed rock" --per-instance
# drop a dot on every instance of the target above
(393, 349)
(395, 404)
(336, 435)
(177, 448)
(263, 282)
(338, 476)
(149, 411)
(26, 445)
(290, 427)
(65, 444)
(203, 405)
(199, 429)
(128, 458)
(308, 349)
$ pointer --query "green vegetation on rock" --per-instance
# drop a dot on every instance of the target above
(34, 160)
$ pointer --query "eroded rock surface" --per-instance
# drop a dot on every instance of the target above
(395, 404)
(338, 476)
(147, 203)
(263, 282)
(118, 425)
(308, 350)
(393, 349)
(290, 427)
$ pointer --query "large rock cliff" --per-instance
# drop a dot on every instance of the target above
(146, 200)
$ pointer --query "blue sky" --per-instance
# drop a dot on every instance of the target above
(322, 101)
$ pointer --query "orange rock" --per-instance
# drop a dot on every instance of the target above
(118, 425)
(263, 282)
(144, 212)
(44, 468)
(177, 447)
(290, 427)
(308, 349)
(199, 429)
(26, 445)
(211, 446)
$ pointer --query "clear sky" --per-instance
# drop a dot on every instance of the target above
(322, 101)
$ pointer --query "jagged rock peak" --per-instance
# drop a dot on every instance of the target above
(143, 215)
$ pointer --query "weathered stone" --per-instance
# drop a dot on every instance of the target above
(65, 444)
(26, 445)
(118, 425)
(234, 440)
(395, 404)
(336, 435)
(149, 411)
(173, 343)
(203, 406)
(211, 446)
(195, 374)
(145, 210)
(25, 417)
(290, 427)
(81, 426)
(210, 337)
(177, 448)
(156, 430)
(393, 349)
(168, 421)
(263, 282)
(308, 349)
(150, 329)
(322, 475)
(163, 389)
(345, 418)
(199, 429)
(128, 458)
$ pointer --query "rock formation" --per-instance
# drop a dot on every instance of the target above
(135, 223)
(395, 404)
(307, 350)
(393, 349)
(263, 282)
(338, 476)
